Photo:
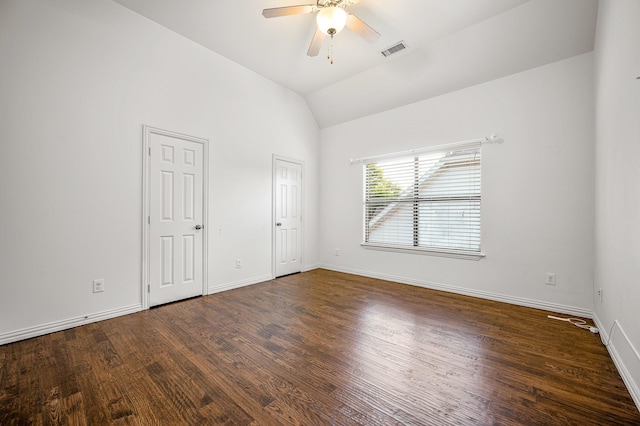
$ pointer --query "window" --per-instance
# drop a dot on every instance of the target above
(427, 201)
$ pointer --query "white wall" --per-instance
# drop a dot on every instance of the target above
(78, 81)
(617, 66)
(537, 194)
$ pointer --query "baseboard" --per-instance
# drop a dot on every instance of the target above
(250, 281)
(52, 327)
(308, 268)
(520, 301)
(237, 284)
(625, 356)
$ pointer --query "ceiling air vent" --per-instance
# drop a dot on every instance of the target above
(401, 45)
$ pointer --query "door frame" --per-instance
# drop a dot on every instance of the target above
(147, 132)
(273, 210)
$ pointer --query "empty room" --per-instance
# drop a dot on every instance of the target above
(349, 212)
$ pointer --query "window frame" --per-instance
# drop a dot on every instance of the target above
(415, 201)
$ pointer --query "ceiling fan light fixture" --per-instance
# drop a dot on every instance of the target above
(331, 20)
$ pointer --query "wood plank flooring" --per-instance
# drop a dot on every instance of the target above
(318, 348)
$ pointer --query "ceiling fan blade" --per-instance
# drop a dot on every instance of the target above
(289, 10)
(316, 43)
(356, 25)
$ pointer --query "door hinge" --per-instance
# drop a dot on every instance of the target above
(149, 220)
(148, 288)
(149, 150)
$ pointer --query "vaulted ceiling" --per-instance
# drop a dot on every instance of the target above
(452, 44)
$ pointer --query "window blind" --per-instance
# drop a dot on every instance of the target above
(425, 201)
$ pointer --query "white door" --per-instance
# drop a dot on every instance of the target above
(288, 217)
(175, 218)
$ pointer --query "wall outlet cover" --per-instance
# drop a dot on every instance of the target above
(550, 279)
(98, 285)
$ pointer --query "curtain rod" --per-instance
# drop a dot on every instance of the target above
(487, 139)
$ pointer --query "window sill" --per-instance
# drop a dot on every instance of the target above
(429, 252)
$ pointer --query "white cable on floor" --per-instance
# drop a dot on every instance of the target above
(577, 322)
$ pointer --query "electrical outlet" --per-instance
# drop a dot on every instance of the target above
(98, 285)
(337, 252)
(600, 294)
(238, 263)
(551, 279)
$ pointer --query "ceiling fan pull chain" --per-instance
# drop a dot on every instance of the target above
(330, 52)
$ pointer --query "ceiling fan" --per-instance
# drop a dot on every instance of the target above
(331, 18)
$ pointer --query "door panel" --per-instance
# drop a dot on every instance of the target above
(176, 207)
(288, 233)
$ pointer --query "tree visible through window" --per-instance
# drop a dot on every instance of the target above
(425, 202)
(380, 190)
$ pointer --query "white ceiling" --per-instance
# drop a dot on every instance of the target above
(452, 44)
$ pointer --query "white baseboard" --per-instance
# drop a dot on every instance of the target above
(514, 300)
(52, 327)
(311, 267)
(625, 356)
(237, 284)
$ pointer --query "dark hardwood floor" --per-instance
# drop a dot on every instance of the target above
(317, 348)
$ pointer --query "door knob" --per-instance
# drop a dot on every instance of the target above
(278, 224)
(198, 226)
